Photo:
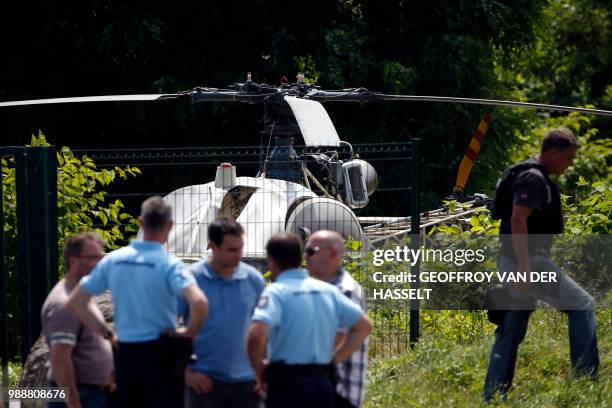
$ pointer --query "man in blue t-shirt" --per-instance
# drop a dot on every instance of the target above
(222, 377)
(299, 317)
(146, 283)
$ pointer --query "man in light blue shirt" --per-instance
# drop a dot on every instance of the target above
(299, 317)
(145, 283)
(222, 376)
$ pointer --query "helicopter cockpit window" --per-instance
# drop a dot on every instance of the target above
(356, 192)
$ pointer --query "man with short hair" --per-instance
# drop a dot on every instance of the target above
(324, 253)
(80, 360)
(536, 209)
(300, 316)
(222, 377)
(145, 282)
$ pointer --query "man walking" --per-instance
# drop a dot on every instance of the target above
(300, 316)
(324, 255)
(222, 376)
(80, 360)
(536, 209)
(145, 282)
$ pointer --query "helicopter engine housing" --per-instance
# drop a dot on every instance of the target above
(321, 213)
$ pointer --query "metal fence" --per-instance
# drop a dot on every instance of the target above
(28, 255)
(187, 178)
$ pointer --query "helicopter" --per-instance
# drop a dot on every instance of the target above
(318, 189)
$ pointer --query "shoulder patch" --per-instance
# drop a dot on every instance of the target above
(262, 303)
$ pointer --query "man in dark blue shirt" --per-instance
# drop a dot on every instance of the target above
(222, 376)
(535, 216)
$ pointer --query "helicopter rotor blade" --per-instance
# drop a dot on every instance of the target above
(363, 95)
(103, 98)
(195, 95)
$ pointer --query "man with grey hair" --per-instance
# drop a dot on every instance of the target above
(146, 282)
(324, 253)
(80, 360)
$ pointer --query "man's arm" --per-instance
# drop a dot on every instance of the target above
(256, 348)
(63, 372)
(518, 227)
(354, 339)
(79, 304)
(198, 309)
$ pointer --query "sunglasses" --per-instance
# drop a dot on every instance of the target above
(310, 251)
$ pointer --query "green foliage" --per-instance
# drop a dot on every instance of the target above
(82, 207)
(480, 223)
(571, 60)
(81, 204)
(593, 214)
(14, 374)
(594, 159)
(587, 184)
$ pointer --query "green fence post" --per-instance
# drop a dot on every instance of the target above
(36, 173)
(415, 231)
(3, 309)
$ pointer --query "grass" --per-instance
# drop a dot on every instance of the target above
(444, 372)
(448, 365)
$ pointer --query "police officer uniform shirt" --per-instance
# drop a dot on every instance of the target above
(304, 315)
(145, 282)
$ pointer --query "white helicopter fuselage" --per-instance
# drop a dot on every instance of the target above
(262, 206)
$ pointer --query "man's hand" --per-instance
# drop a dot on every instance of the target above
(260, 382)
(112, 382)
(354, 339)
(518, 227)
(523, 286)
(199, 382)
(182, 332)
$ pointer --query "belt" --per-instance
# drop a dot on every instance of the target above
(97, 387)
(279, 370)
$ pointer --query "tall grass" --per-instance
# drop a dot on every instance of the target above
(447, 367)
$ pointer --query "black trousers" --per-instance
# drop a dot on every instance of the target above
(224, 395)
(147, 376)
(307, 386)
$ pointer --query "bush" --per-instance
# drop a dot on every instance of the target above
(81, 206)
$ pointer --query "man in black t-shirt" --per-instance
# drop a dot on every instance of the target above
(536, 209)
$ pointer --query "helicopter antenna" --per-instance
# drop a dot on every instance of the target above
(265, 166)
